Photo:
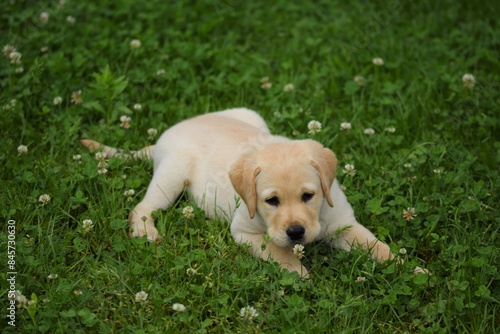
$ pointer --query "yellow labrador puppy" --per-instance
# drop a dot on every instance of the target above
(288, 188)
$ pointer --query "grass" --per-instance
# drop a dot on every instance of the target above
(442, 160)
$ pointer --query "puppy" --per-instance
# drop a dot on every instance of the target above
(288, 191)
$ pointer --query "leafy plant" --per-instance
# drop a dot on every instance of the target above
(106, 88)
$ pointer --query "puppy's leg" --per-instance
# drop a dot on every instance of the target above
(167, 184)
(343, 231)
(269, 251)
(357, 235)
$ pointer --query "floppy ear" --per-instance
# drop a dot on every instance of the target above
(243, 174)
(325, 163)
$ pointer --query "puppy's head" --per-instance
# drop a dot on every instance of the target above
(286, 185)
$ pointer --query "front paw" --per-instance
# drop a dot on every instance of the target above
(299, 269)
(304, 273)
(143, 227)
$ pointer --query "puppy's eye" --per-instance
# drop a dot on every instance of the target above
(306, 197)
(273, 201)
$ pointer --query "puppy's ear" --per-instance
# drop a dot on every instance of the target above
(325, 162)
(243, 174)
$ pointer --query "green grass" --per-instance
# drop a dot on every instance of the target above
(213, 54)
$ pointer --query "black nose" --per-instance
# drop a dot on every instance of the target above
(295, 232)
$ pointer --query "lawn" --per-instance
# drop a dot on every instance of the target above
(407, 94)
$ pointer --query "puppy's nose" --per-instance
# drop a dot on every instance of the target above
(295, 232)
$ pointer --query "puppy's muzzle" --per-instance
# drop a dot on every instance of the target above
(296, 233)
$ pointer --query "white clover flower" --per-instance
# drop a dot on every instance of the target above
(288, 87)
(248, 313)
(78, 292)
(76, 97)
(7, 50)
(407, 165)
(135, 44)
(100, 156)
(125, 122)
(187, 212)
(22, 301)
(402, 251)
(369, 132)
(152, 133)
(468, 77)
(349, 170)
(177, 307)
(102, 164)
(15, 57)
(409, 214)
(359, 80)
(343, 188)
(44, 17)
(19, 69)
(266, 85)
(16, 295)
(161, 71)
(44, 49)
(22, 149)
(469, 81)
(44, 199)
(191, 271)
(52, 276)
(360, 279)
(345, 126)
(137, 107)
(57, 100)
(87, 225)
(298, 251)
(390, 129)
(378, 61)
(70, 19)
(437, 171)
(77, 157)
(129, 193)
(314, 127)
(295, 133)
(141, 297)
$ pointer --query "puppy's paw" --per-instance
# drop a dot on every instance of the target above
(304, 273)
(299, 269)
(140, 230)
(91, 144)
(144, 228)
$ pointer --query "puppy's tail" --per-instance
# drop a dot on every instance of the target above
(145, 153)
